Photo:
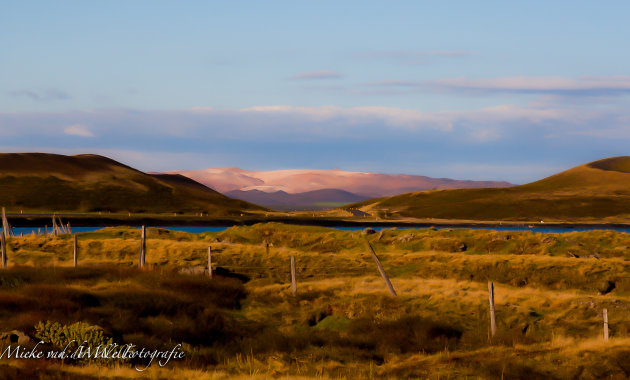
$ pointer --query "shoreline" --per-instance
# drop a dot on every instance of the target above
(109, 221)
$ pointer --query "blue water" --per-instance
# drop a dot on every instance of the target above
(196, 229)
(30, 230)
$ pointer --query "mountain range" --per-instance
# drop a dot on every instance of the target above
(38, 182)
(294, 189)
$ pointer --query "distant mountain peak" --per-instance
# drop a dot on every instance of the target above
(331, 186)
(295, 181)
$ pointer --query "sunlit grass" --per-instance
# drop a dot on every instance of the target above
(342, 323)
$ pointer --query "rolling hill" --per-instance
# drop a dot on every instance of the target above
(91, 183)
(594, 191)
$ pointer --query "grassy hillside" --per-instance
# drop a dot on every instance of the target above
(341, 324)
(594, 191)
(90, 183)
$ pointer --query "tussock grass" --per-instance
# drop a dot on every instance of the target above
(342, 323)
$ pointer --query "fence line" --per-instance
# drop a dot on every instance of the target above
(278, 269)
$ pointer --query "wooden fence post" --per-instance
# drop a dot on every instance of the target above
(143, 247)
(62, 227)
(293, 279)
(605, 314)
(46, 229)
(6, 227)
(266, 245)
(75, 251)
(381, 269)
(69, 229)
(210, 262)
(3, 242)
(493, 322)
(54, 225)
(4, 217)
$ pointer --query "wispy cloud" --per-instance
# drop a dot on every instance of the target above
(330, 136)
(291, 122)
(317, 75)
(78, 130)
(580, 86)
(44, 95)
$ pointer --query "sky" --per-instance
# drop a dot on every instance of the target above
(485, 90)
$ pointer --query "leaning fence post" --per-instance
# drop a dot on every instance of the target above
(75, 251)
(493, 322)
(605, 314)
(6, 227)
(4, 249)
(381, 269)
(210, 262)
(54, 226)
(293, 279)
(143, 247)
(62, 228)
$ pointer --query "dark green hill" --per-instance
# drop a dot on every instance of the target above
(597, 190)
(91, 183)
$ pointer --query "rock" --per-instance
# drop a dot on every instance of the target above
(405, 238)
(504, 237)
(15, 337)
(368, 231)
(606, 287)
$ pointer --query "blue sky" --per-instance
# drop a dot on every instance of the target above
(470, 90)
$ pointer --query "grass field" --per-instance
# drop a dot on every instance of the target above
(342, 323)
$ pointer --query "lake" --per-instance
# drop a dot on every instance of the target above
(196, 229)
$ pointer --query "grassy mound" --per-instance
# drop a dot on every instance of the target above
(589, 192)
(91, 183)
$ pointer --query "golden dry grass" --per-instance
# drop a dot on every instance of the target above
(343, 324)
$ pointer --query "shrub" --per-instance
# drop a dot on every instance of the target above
(71, 336)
